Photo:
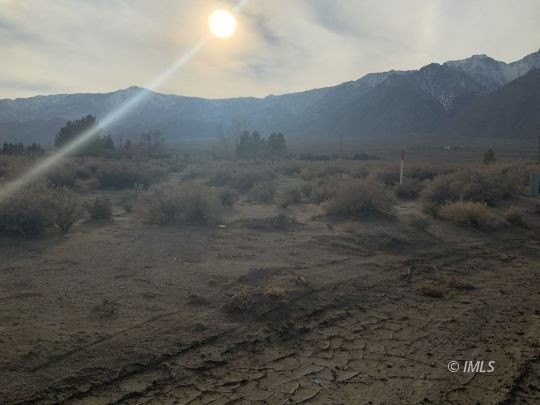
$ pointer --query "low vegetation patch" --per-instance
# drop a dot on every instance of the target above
(263, 192)
(291, 195)
(358, 199)
(488, 186)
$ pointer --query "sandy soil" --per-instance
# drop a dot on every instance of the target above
(318, 312)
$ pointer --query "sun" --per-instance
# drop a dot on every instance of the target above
(222, 24)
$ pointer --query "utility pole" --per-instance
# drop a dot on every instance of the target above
(341, 144)
(538, 158)
(401, 167)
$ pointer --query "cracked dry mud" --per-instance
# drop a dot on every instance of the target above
(238, 315)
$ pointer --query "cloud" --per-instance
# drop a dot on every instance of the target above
(281, 45)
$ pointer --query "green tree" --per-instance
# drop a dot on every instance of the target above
(276, 147)
(489, 157)
(95, 146)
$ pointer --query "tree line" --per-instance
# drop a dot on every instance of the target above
(19, 149)
(254, 146)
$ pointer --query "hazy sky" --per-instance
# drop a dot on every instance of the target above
(66, 46)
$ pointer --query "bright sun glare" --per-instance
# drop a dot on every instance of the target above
(222, 24)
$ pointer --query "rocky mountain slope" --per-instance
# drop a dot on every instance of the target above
(456, 96)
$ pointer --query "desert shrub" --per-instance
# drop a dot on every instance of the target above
(289, 169)
(306, 188)
(360, 199)
(114, 174)
(289, 196)
(431, 291)
(227, 196)
(129, 198)
(100, 208)
(263, 192)
(180, 203)
(280, 222)
(419, 222)
(13, 166)
(66, 208)
(514, 216)
(440, 191)
(388, 176)
(409, 190)
(466, 213)
(219, 177)
(322, 191)
(30, 212)
(245, 178)
(64, 175)
(490, 187)
(427, 172)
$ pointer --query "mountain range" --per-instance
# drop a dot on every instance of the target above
(477, 96)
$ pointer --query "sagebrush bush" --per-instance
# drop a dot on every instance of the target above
(289, 169)
(66, 207)
(419, 222)
(263, 192)
(180, 203)
(65, 175)
(30, 212)
(100, 208)
(409, 190)
(227, 196)
(488, 186)
(360, 198)
(514, 216)
(289, 196)
(466, 213)
(322, 191)
(113, 174)
(244, 179)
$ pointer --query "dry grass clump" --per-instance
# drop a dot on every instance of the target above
(360, 198)
(431, 291)
(31, 212)
(459, 284)
(419, 222)
(263, 192)
(291, 195)
(514, 216)
(180, 203)
(466, 213)
(100, 209)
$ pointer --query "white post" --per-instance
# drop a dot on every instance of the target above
(401, 167)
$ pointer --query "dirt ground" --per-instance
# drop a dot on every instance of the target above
(308, 312)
